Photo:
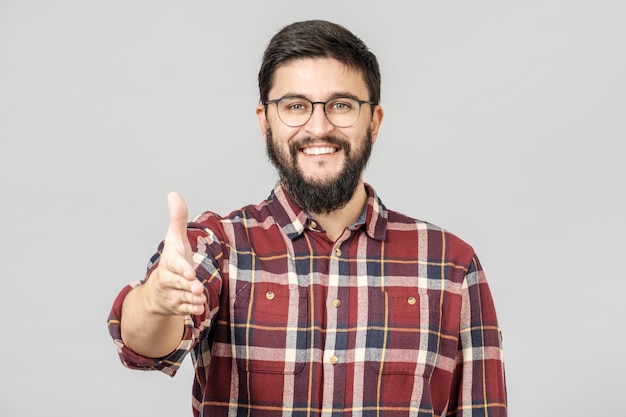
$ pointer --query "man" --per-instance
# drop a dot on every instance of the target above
(319, 301)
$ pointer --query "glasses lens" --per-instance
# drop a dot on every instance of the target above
(343, 112)
(294, 111)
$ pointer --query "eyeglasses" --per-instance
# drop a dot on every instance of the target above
(340, 111)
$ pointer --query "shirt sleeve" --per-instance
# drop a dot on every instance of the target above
(206, 250)
(479, 387)
(169, 364)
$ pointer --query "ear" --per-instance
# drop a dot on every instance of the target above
(262, 116)
(377, 119)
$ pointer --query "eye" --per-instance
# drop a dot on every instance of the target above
(341, 105)
(295, 105)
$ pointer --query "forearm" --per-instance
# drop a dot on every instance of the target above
(146, 332)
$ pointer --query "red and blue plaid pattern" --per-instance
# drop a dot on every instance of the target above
(395, 318)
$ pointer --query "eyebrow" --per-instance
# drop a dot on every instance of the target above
(337, 94)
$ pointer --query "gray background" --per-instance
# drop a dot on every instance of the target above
(504, 123)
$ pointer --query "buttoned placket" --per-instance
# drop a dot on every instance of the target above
(336, 313)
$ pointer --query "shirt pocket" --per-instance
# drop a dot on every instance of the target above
(271, 328)
(399, 338)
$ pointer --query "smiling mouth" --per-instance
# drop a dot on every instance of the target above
(319, 150)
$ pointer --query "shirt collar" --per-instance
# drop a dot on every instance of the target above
(293, 220)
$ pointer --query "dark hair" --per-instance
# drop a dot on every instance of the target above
(319, 39)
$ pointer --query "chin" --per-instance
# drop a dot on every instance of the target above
(321, 178)
(322, 173)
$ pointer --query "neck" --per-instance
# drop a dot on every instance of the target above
(335, 222)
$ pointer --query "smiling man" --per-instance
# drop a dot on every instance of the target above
(318, 301)
(320, 148)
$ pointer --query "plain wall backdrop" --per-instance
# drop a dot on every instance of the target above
(504, 124)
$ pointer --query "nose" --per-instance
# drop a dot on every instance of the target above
(318, 125)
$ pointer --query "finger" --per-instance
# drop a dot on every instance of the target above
(192, 309)
(176, 242)
(178, 216)
(181, 302)
(170, 280)
(178, 265)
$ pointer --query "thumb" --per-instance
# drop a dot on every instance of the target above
(178, 217)
(176, 256)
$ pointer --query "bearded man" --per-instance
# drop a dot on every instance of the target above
(319, 301)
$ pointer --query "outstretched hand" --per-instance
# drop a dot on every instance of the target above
(173, 288)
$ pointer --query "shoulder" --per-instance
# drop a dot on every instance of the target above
(402, 229)
(436, 240)
(250, 216)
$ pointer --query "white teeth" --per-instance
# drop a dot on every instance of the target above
(319, 151)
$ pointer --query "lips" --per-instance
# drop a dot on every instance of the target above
(326, 146)
(319, 150)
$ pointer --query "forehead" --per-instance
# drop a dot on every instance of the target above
(317, 79)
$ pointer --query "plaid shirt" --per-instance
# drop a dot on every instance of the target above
(395, 318)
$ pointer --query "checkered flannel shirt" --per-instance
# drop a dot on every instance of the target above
(394, 318)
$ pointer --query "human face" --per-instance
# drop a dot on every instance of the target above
(318, 149)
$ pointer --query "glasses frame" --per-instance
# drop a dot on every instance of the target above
(323, 103)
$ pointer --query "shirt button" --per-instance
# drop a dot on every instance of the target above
(333, 360)
(313, 225)
(411, 300)
(338, 252)
(269, 295)
(336, 302)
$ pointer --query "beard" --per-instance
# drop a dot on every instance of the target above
(320, 196)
